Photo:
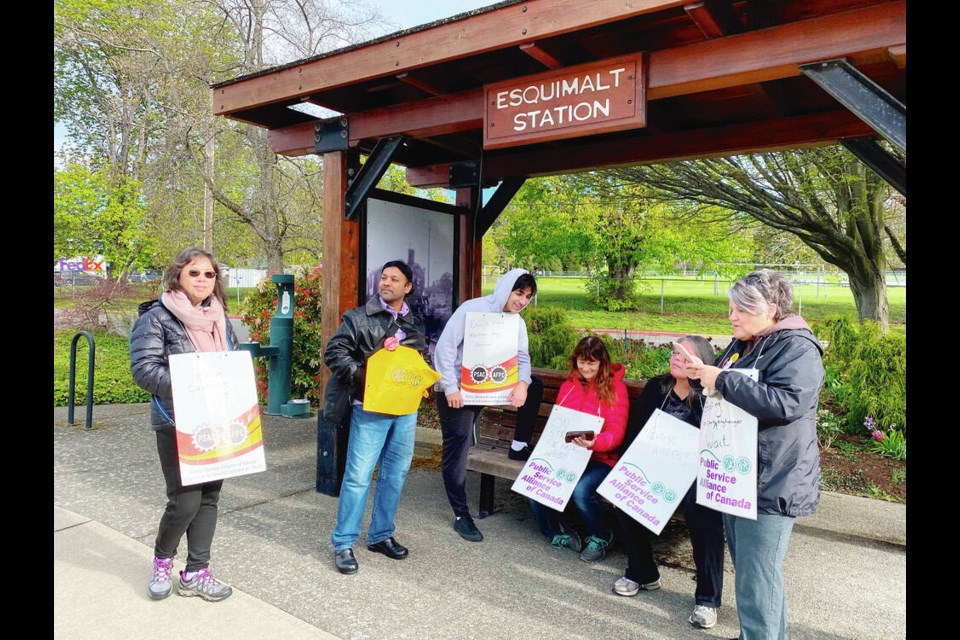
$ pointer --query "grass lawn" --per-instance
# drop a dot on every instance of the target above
(690, 305)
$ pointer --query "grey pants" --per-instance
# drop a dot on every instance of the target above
(191, 509)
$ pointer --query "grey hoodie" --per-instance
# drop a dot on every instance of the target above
(448, 354)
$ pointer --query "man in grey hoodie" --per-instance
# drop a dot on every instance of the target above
(511, 294)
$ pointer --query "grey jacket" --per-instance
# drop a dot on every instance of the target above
(156, 335)
(784, 401)
(361, 333)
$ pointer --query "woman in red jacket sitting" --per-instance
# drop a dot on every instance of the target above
(595, 386)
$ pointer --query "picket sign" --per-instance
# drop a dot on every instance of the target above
(727, 469)
(551, 473)
(217, 416)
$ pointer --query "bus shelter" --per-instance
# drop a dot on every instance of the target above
(528, 88)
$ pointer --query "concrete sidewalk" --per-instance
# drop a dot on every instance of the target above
(846, 567)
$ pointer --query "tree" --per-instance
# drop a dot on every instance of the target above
(539, 229)
(281, 196)
(825, 196)
(590, 220)
(94, 214)
(131, 85)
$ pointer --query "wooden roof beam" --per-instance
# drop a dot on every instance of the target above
(715, 64)
(754, 137)
(426, 87)
(714, 19)
(732, 61)
(899, 55)
(435, 175)
(537, 52)
(508, 26)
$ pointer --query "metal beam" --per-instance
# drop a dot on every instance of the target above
(878, 159)
(497, 202)
(862, 96)
(369, 175)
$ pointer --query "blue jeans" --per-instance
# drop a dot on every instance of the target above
(374, 438)
(757, 549)
(586, 500)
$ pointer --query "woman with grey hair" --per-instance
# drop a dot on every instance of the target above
(768, 337)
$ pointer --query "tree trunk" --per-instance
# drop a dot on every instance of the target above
(871, 298)
(621, 279)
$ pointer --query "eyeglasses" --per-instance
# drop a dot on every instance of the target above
(209, 275)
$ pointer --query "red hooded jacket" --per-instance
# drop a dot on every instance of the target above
(572, 395)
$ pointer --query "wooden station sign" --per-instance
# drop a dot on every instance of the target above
(598, 97)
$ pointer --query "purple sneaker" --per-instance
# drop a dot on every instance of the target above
(161, 583)
(203, 584)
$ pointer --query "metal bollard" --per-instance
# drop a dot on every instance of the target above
(91, 353)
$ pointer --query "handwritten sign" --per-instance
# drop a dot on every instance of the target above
(606, 95)
(217, 416)
(554, 467)
(727, 469)
(649, 481)
(490, 369)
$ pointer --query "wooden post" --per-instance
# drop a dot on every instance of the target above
(341, 277)
(471, 249)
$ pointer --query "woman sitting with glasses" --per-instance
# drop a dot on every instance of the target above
(676, 395)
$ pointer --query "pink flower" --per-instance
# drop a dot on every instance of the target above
(877, 435)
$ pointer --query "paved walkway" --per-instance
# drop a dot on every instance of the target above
(846, 568)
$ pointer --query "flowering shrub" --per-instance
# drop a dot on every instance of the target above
(892, 444)
(259, 306)
(829, 426)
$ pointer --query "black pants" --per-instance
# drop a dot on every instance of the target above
(191, 510)
(706, 534)
(457, 428)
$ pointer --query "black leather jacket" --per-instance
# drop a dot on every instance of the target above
(361, 333)
(156, 335)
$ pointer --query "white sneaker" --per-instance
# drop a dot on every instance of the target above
(627, 587)
(703, 617)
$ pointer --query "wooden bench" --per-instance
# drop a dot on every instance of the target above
(495, 433)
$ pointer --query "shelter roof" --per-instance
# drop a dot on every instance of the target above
(723, 76)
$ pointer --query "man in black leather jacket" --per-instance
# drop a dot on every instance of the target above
(383, 322)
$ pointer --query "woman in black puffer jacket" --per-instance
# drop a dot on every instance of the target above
(190, 316)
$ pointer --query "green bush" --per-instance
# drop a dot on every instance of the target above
(112, 381)
(641, 360)
(259, 306)
(866, 372)
(551, 336)
(610, 294)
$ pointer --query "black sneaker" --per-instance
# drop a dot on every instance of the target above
(523, 454)
(467, 530)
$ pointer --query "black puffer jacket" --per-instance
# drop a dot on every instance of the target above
(784, 401)
(361, 333)
(156, 335)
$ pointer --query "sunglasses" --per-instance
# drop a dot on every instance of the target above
(209, 275)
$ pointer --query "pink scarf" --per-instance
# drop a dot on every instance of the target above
(206, 326)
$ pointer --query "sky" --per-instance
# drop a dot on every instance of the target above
(411, 13)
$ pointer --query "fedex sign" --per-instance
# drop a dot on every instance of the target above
(81, 264)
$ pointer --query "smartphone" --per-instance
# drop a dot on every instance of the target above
(686, 354)
(586, 435)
